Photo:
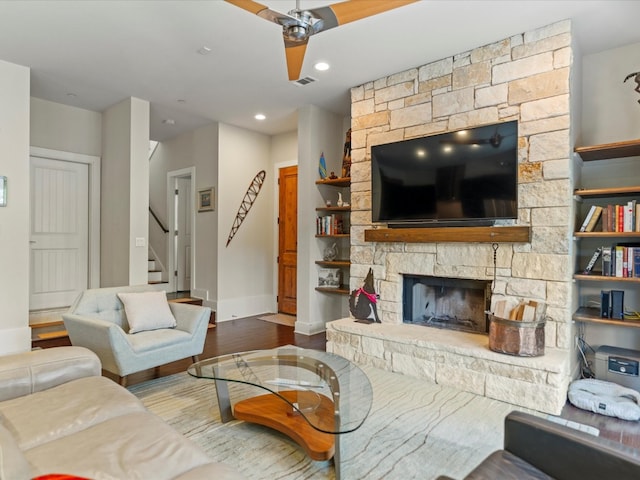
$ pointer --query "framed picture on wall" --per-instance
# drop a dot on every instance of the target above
(206, 199)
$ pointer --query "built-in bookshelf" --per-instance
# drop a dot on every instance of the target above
(603, 234)
(332, 226)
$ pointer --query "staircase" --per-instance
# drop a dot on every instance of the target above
(154, 275)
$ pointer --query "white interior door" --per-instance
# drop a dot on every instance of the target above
(59, 232)
(183, 238)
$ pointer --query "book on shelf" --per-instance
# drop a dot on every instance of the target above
(606, 261)
(591, 218)
(624, 262)
(329, 225)
(621, 218)
(592, 262)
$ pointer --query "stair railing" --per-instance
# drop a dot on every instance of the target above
(155, 217)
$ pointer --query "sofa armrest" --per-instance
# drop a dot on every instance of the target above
(28, 372)
(565, 453)
(189, 318)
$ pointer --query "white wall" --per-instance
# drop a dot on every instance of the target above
(245, 266)
(124, 198)
(318, 131)
(64, 128)
(139, 192)
(15, 334)
(611, 112)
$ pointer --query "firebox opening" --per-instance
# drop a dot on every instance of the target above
(449, 303)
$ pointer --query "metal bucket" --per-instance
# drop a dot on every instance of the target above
(514, 337)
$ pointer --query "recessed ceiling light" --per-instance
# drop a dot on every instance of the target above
(71, 95)
(204, 50)
(260, 116)
(321, 66)
(169, 121)
(182, 100)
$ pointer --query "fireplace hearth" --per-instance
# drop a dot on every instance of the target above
(448, 303)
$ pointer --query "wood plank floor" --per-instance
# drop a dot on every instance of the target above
(253, 334)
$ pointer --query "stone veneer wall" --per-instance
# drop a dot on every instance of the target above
(525, 77)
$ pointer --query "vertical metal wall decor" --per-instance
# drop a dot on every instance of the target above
(247, 202)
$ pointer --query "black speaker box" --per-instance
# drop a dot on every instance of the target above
(617, 304)
(604, 304)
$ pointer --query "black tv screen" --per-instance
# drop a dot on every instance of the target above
(467, 177)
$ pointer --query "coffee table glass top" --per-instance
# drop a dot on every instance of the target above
(310, 375)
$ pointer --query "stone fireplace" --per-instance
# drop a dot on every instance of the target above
(525, 77)
(448, 303)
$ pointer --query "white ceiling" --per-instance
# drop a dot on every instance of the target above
(103, 51)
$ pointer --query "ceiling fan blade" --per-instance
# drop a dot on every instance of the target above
(350, 11)
(263, 11)
(248, 5)
(295, 56)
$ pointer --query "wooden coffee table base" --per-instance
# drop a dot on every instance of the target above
(273, 412)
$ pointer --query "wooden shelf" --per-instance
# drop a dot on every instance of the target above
(606, 234)
(333, 209)
(607, 151)
(605, 278)
(335, 235)
(335, 182)
(607, 192)
(272, 411)
(333, 263)
(342, 290)
(592, 315)
(514, 234)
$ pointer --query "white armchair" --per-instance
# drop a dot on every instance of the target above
(97, 321)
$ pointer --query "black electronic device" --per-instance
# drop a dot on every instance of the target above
(617, 304)
(605, 303)
(466, 177)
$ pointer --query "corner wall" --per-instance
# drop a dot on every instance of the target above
(125, 193)
(15, 334)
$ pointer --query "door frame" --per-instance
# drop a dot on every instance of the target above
(276, 233)
(93, 163)
(171, 239)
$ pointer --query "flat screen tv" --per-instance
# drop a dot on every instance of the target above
(466, 177)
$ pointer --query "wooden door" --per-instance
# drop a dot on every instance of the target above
(287, 239)
(59, 237)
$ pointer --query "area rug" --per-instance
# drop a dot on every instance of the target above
(415, 430)
(280, 318)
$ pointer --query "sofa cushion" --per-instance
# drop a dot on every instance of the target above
(137, 445)
(13, 465)
(63, 410)
(505, 465)
(156, 339)
(147, 311)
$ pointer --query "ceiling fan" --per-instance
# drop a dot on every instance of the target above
(298, 25)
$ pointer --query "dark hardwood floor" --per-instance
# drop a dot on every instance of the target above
(253, 334)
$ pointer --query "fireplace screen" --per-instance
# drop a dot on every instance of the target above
(451, 303)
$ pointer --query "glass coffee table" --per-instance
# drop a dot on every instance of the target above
(311, 396)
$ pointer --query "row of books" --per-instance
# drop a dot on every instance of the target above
(619, 260)
(615, 218)
(330, 225)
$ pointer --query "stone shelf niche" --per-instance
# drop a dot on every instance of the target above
(455, 359)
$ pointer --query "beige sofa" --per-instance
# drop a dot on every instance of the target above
(58, 415)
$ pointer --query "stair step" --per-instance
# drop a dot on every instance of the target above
(189, 300)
